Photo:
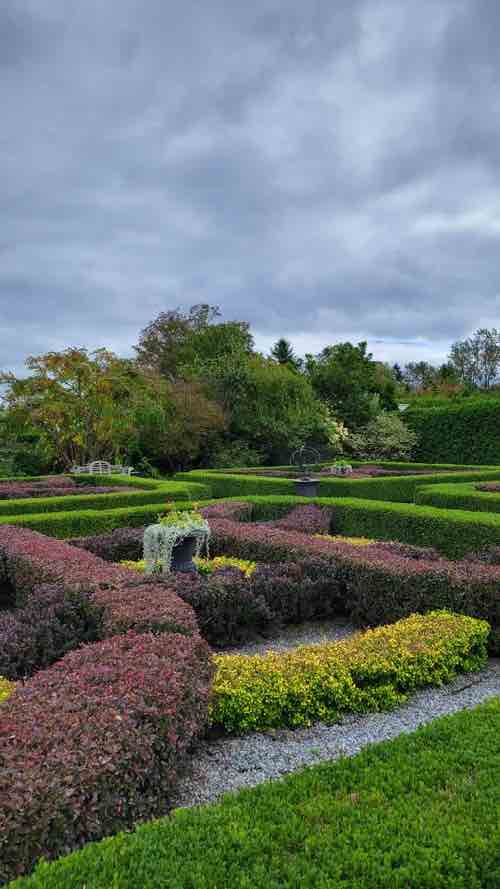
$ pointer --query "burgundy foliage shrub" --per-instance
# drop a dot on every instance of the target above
(52, 622)
(310, 519)
(118, 545)
(377, 585)
(490, 487)
(227, 608)
(92, 745)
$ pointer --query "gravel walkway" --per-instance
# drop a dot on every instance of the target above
(310, 633)
(232, 763)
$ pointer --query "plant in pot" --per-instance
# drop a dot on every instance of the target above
(173, 542)
(341, 467)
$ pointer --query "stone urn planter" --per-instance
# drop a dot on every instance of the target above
(306, 487)
(183, 554)
(172, 543)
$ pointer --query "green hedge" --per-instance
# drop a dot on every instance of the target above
(398, 489)
(453, 532)
(371, 671)
(157, 492)
(461, 432)
(464, 496)
(412, 812)
(85, 522)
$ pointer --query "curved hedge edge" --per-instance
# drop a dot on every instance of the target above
(423, 779)
(371, 671)
(159, 493)
(463, 496)
(83, 758)
(86, 522)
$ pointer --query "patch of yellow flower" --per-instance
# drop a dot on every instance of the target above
(6, 689)
(339, 538)
(205, 566)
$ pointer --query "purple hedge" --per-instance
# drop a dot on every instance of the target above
(93, 745)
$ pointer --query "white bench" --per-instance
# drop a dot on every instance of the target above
(102, 467)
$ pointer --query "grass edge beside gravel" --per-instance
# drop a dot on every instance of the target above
(414, 811)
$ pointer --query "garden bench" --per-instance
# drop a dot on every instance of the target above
(102, 467)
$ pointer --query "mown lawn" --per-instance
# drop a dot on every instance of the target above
(419, 812)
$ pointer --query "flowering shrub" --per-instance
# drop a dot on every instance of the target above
(6, 689)
(93, 744)
(371, 671)
(354, 541)
(205, 566)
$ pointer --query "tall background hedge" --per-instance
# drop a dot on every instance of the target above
(462, 432)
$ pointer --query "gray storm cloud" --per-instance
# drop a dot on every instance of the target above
(324, 170)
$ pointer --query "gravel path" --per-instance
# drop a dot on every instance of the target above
(232, 763)
(309, 633)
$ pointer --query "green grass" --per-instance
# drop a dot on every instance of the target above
(414, 813)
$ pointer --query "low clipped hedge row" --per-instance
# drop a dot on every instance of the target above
(6, 689)
(453, 532)
(93, 744)
(469, 497)
(414, 812)
(377, 584)
(370, 671)
(400, 489)
(156, 492)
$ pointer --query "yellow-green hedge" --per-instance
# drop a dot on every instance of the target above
(6, 689)
(373, 670)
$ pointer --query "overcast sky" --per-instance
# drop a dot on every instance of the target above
(325, 170)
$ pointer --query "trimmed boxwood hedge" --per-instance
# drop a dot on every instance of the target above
(155, 492)
(414, 812)
(369, 672)
(465, 497)
(399, 489)
(462, 431)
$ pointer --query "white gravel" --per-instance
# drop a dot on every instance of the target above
(244, 761)
(310, 633)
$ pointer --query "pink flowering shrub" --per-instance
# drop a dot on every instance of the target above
(93, 745)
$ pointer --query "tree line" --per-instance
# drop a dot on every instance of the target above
(197, 393)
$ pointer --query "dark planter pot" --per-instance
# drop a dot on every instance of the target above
(306, 487)
(182, 556)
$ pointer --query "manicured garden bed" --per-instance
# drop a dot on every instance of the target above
(414, 812)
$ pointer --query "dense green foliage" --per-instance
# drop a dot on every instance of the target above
(464, 431)
(466, 496)
(416, 811)
(371, 671)
(351, 383)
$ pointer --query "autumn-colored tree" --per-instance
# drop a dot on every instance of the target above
(82, 405)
